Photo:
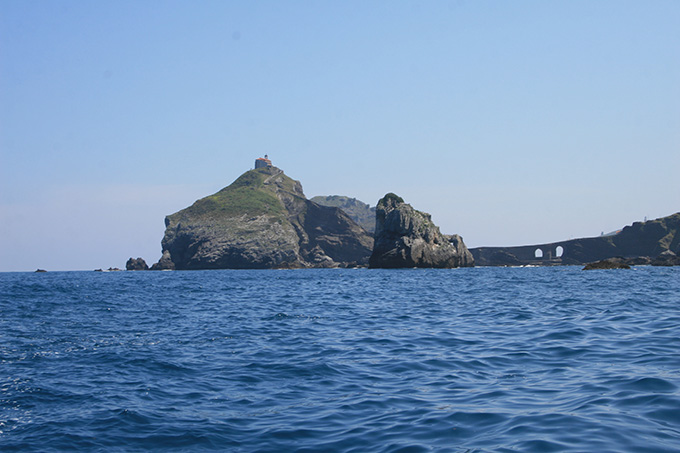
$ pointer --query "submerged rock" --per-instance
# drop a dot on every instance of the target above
(405, 237)
(261, 221)
(639, 261)
(609, 263)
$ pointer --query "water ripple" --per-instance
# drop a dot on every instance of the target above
(533, 359)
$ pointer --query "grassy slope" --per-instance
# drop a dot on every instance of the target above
(248, 195)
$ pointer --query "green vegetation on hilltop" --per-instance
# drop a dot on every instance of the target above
(238, 201)
(252, 178)
(391, 197)
(261, 178)
(261, 221)
(248, 195)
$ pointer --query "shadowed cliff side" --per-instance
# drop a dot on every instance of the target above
(359, 211)
(405, 237)
(261, 221)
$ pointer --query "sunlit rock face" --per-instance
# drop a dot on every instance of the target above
(406, 237)
(262, 221)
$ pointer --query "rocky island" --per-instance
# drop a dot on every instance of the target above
(262, 221)
(406, 237)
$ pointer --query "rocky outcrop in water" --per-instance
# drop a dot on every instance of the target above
(405, 237)
(165, 263)
(262, 221)
(137, 264)
(609, 263)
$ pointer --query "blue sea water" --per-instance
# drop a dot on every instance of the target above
(351, 360)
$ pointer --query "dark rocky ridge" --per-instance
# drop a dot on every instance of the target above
(261, 221)
(609, 263)
(405, 237)
(360, 212)
(642, 241)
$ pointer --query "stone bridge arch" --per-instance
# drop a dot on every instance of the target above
(572, 251)
(548, 252)
(552, 253)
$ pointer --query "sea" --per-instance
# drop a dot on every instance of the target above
(341, 360)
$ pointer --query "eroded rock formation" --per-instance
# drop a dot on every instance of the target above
(405, 237)
(137, 264)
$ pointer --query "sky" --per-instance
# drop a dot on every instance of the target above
(512, 123)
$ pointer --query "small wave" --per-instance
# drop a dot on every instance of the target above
(647, 385)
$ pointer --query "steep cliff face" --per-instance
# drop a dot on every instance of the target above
(261, 221)
(405, 237)
(650, 238)
(360, 212)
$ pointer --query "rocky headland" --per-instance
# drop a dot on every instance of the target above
(262, 221)
(406, 237)
(653, 242)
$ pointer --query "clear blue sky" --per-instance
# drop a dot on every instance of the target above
(510, 122)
